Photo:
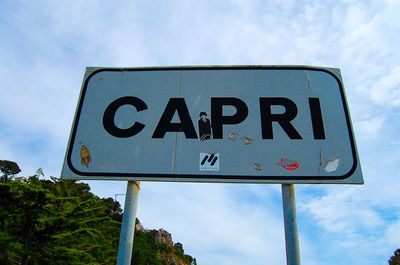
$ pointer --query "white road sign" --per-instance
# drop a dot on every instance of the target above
(244, 124)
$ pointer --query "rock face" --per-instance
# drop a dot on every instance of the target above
(158, 246)
(139, 227)
(163, 236)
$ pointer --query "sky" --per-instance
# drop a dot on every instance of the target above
(45, 47)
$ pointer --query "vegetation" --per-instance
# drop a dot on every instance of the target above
(61, 222)
(147, 250)
(395, 259)
(8, 169)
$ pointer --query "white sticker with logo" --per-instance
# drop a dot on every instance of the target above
(209, 161)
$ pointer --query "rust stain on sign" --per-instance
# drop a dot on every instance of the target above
(308, 80)
(257, 166)
(246, 140)
(232, 136)
(320, 161)
(85, 156)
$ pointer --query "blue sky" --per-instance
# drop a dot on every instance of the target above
(46, 45)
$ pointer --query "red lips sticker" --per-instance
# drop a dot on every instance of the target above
(289, 164)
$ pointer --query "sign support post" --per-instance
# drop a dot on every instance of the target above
(128, 223)
(290, 220)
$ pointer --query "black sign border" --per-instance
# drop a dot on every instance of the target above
(206, 178)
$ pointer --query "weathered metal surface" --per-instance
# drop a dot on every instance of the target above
(154, 123)
(290, 221)
(128, 223)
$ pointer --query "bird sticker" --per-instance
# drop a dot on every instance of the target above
(85, 156)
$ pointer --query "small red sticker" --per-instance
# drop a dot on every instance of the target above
(289, 164)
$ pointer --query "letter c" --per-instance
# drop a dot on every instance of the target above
(109, 114)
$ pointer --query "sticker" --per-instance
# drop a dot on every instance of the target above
(209, 161)
(204, 127)
(289, 164)
(85, 156)
(332, 165)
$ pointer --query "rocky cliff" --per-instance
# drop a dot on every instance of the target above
(157, 248)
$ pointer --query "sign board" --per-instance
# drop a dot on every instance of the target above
(240, 124)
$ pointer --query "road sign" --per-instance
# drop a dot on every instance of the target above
(244, 124)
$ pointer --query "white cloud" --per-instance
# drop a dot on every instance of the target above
(386, 91)
(392, 233)
(369, 129)
(342, 211)
(6, 153)
(210, 219)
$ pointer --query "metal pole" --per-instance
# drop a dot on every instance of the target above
(290, 218)
(128, 223)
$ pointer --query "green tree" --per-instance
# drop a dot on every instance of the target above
(8, 169)
(145, 249)
(395, 259)
(178, 249)
(56, 222)
(61, 222)
(22, 208)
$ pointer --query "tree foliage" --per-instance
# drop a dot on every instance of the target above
(395, 259)
(61, 222)
(56, 222)
(146, 251)
(8, 169)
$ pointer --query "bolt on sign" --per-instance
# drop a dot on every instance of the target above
(243, 124)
